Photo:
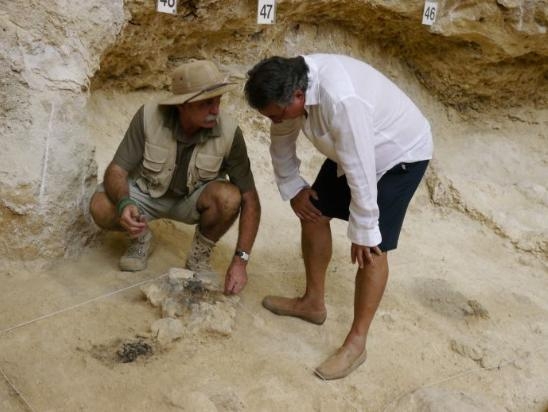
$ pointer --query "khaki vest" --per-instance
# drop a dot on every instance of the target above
(160, 153)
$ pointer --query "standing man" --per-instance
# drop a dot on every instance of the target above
(377, 145)
(173, 163)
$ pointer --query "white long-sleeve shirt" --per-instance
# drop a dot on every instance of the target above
(362, 121)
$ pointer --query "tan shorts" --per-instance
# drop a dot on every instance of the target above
(181, 209)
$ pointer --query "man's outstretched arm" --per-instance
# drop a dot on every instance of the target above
(250, 216)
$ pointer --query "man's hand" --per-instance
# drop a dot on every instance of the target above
(132, 221)
(363, 254)
(236, 276)
(303, 207)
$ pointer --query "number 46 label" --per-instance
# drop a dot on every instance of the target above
(266, 12)
(167, 6)
(429, 13)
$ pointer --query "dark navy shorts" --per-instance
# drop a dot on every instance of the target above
(394, 192)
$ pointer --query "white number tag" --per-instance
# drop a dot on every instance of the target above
(167, 6)
(266, 12)
(430, 12)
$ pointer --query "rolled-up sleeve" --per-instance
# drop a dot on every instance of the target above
(238, 166)
(130, 151)
(352, 130)
(283, 151)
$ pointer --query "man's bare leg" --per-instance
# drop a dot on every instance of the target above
(219, 206)
(103, 212)
(370, 284)
(316, 248)
(369, 289)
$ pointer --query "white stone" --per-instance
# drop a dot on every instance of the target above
(178, 274)
(167, 330)
(154, 294)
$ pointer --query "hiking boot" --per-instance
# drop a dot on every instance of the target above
(137, 253)
(200, 254)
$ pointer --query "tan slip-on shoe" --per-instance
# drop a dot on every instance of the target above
(340, 364)
(286, 307)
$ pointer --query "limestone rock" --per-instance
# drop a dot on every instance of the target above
(154, 294)
(167, 330)
(48, 52)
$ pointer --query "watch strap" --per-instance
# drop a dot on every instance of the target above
(242, 255)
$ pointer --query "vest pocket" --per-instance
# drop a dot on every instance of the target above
(208, 166)
(154, 160)
(154, 157)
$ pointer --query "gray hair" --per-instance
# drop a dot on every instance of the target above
(275, 80)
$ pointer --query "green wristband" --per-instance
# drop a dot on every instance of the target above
(122, 203)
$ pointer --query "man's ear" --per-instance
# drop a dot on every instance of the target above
(300, 97)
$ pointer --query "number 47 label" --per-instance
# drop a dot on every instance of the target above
(266, 12)
(429, 13)
(167, 6)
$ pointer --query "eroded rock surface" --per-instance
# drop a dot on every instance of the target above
(476, 53)
(481, 58)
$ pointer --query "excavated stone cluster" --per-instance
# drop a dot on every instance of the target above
(189, 303)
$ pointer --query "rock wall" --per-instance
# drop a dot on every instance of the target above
(477, 53)
(48, 52)
(480, 58)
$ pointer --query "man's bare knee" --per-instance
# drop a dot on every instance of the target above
(378, 262)
(223, 196)
(102, 210)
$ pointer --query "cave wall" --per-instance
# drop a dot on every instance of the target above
(49, 50)
(480, 57)
(477, 54)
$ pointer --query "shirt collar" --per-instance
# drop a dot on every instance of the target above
(313, 90)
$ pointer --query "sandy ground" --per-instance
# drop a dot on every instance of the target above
(463, 324)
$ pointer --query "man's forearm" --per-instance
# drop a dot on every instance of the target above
(116, 183)
(250, 217)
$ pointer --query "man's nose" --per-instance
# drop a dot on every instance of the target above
(214, 108)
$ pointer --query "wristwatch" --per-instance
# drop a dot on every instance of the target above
(242, 255)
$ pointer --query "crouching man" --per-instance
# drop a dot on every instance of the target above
(173, 163)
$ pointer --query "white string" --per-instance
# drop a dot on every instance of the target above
(49, 315)
(19, 394)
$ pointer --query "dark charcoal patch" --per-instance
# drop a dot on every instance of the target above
(130, 351)
(195, 286)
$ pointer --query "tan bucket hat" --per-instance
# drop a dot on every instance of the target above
(195, 81)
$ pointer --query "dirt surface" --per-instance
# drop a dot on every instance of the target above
(463, 324)
(453, 319)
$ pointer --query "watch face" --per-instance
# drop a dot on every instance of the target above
(242, 255)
